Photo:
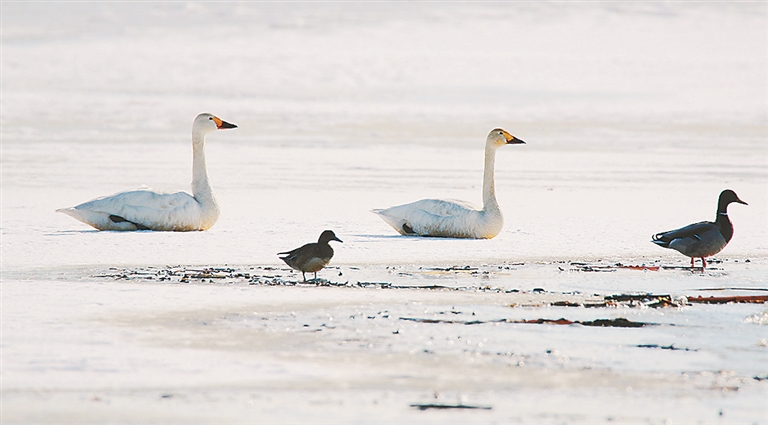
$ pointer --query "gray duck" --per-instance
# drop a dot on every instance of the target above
(702, 239)
(311, 257)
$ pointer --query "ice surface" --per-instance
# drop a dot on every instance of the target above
(636, 116)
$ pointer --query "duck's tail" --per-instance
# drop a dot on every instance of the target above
(660, 240)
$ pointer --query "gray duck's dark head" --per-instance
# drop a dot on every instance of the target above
(327, 236)
(727, 197)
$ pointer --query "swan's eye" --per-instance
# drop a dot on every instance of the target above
(211, 118)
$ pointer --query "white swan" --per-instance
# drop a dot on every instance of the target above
(146, 209)
(455, 219)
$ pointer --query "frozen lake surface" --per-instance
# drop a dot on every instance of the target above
(636, 116)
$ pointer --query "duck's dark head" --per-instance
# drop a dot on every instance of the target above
(327, 236)
(728, 196)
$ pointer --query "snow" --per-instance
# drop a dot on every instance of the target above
(636, 116)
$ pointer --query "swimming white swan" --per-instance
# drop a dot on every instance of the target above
(146, 209)
(455, 219)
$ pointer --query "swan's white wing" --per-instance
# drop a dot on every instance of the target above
(444, 207)
(141, 209)
(438, 207)
(438, 217)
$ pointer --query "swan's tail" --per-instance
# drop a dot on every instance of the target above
(397, 223)
(97, 220)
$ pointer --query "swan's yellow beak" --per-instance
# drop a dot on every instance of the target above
(222, 124)
(512, 140)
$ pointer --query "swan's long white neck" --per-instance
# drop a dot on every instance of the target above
(201, 186)
(489, 186)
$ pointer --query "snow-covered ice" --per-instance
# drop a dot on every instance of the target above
(636, 116)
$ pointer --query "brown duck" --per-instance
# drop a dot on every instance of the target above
(705, 238)
(311, 257)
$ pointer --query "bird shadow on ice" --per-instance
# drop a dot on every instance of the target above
(409, 237)
(70, 232)
(93, 231)
(384, 236)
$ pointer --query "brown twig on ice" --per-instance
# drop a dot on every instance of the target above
(448, 406)
(757, 299)
(604, 323)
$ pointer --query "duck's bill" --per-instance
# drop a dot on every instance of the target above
(223, 124)
(337, 239)
(741, 202)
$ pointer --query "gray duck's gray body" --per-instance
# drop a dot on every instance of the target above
(311, 257)
(703, 239)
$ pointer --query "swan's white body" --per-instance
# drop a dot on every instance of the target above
(146, 209)
(455, 219)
